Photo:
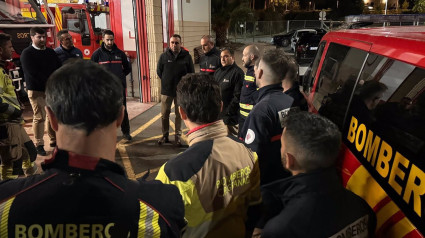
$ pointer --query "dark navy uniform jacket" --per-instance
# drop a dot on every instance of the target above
(65, 54)
(115, 61)
(82, 196)
(249, 96)
(263, 128)
(210, 62)
(315, 204)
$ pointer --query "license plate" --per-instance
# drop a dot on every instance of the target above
(313, 48)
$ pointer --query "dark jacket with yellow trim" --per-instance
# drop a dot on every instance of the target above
(210, 62)
(115, 61)
(10, 108)
(218, 178)
(91, 196)
(249, 95)
(262, 130)
(315, 204)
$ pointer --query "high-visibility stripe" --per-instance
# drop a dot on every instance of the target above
(249, 78)
(4, 217)
(208, 70)
(246, 106)
(148, 222)
(58, 18)
(244, 113)
(110, 62)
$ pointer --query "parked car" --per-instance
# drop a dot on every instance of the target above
(282, 40)
(306, 47)
(298, 33)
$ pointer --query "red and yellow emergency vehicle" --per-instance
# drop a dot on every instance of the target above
(383, 154)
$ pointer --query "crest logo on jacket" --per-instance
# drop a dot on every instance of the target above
(225, 81)
(117, 57)
(250, 136)
(212, 66)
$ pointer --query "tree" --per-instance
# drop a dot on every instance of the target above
(346, 8)
(405, 5)
(220, 17)
(419, 6)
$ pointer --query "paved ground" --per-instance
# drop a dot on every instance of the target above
(142, 153)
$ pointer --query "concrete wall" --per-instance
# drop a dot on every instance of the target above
(192, 21)
(155, 44)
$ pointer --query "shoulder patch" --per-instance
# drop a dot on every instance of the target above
(188, 163)
(250, 137)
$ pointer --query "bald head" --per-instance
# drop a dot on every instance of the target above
(250, 54)
(272, 68)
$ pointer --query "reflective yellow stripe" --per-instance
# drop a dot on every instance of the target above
(249, 78)
(246, 106)
(148, 222)
(244, 113)
(4, 217)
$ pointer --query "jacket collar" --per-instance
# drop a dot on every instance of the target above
(208, 131)
(70, 161)
(269, 89)
(182, 52)
(213, 51)
(319, 181)
(294, 88)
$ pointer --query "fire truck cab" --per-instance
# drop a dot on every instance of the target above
(371, 83)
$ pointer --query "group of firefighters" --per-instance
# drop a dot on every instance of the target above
(258, 164)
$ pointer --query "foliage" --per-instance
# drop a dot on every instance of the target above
(346, 8)
(419, 6)
(241, 14)
(220, 17)
(405, 5)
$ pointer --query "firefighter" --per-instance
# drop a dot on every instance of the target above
(262, 128)
(210, 61)
(249, 93)
(82, 191)
(230, 78)
(13, 137)
(116, 62)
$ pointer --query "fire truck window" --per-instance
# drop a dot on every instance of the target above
(73, 25)
(308, 79)
(396, 111)
(337, 78)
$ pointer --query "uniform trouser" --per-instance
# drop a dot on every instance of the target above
(38, 102)
(12, 147)
(166, 102)
(125, 125)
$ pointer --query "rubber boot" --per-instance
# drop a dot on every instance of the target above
(30, 168)
(7, 172)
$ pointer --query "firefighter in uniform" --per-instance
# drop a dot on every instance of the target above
(230, 78)
(262, 128)
(249, 93)
(217, 176)
(83, 192)
(13, 137)
(210, 61)
(115, 60)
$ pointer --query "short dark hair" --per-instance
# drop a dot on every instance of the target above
(37, 30)
(277, 62)
(315, 140)
(292, 73)
(107, 32)
(199, 96)
(84, 95)
(231, 51)
(208, 37)
(60, 33)
(177, 36)
(4, 38)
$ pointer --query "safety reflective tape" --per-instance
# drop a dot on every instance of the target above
(276, 138)
(110, 62)
(246, 106)
(249, 78)
(244, 113)
(208, 70)
(148, 222)
(12, 102)
(4, 217)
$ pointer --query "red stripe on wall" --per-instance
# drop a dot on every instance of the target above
(116, 22)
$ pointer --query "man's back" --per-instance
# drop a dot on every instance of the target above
(218, 178)
(315, 205)
(81, 195)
